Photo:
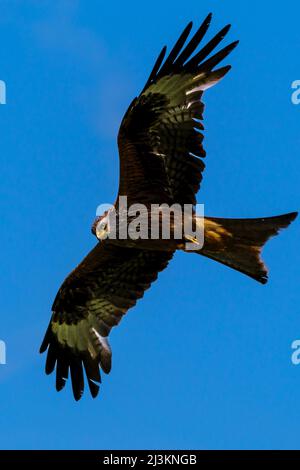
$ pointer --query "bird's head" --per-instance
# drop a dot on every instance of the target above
(100, 227)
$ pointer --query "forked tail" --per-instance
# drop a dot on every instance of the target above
(237, 243)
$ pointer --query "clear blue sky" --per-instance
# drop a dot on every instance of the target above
(203, 361)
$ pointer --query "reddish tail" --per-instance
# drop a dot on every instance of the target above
(237, 243)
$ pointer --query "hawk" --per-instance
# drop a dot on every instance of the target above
(161, 161)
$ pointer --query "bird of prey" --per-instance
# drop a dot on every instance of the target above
(161, 161)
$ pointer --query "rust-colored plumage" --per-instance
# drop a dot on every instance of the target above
(161, 161)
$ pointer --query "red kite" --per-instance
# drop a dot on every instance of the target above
(161, 161)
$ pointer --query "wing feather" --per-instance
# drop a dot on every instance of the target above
(193, 44)
(167, 66)
(160, 139)
(208, 48)
(92, 300)
(161, 160)
(156, 66)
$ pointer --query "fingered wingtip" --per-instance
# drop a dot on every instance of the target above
(294, 215)
(208, 18)
(60, 385)
(234, 44)
(224, 70)
(94, 389)
(263, 279)
(226, 29)
(188, 28)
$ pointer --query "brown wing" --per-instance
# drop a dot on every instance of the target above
(92, 300)
(160, 138)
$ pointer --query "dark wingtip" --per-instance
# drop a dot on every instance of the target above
(293, 215)
(105, 364)
(43, 348)
(60, 384)
(285, 219)
(222, 71)
(263, 279)
(208, 19)
(226, 29)
(235, 43)
(106, 368)
(77, 389)
(46, 340)
(94, 388)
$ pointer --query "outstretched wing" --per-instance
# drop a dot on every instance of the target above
(160, 138)
(92, 300)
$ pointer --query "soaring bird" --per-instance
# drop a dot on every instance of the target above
(161, 162)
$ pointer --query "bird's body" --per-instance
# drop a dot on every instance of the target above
(161, 164)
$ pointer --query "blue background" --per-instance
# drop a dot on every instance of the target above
(204, 360)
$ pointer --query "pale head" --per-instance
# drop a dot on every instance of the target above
(100, 227)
